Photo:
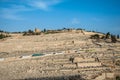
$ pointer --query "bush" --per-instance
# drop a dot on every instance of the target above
(25, 33)
(118, 63)
(117, 77)
(118, 37)
(30, 32)
(103, 37)
(95, 36)
(3, 36)
(107, 35)
(71, 59)
(113, 39)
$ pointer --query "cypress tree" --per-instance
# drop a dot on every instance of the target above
(113, 39)
(118, 36)
(107, 35)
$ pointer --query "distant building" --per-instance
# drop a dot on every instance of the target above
(37, 30)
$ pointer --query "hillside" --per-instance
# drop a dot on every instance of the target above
(66, 56)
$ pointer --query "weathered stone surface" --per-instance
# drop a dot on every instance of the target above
(57, 62)
(80, 59)
(93, 64)
(69, 66)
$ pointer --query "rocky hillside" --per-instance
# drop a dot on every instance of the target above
(66, 56)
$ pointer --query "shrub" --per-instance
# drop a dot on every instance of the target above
(107, 35)
(95, 36)
(113, 39)
(1, 31)
(30, 32)
(3, 36)
(118, 37)
(79, 29)
(71, 59)
(44, 30)
(117, 77)
(103, 37)
(25, 33)
(118, 63)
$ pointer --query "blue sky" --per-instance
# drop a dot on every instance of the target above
(98, 15)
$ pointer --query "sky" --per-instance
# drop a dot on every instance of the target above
(98, 15)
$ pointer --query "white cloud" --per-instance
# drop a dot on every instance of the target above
(40, 5)
(13, 17)
(96, 19)
(13, 11)
(75, 21)
(43, 4)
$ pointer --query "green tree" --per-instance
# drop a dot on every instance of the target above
(1, 31)
(117, 77)
(24, 33)
(113, 39)
(107, 35)
(95, 36)
(79, 29)
(118, 36)
(30, 31)
(44, 30)
(2, 36)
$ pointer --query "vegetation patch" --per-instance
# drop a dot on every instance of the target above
(4, 36)
(95, 36)
(118, 63)
(117, 77)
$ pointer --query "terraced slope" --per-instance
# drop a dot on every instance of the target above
(69, 56)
